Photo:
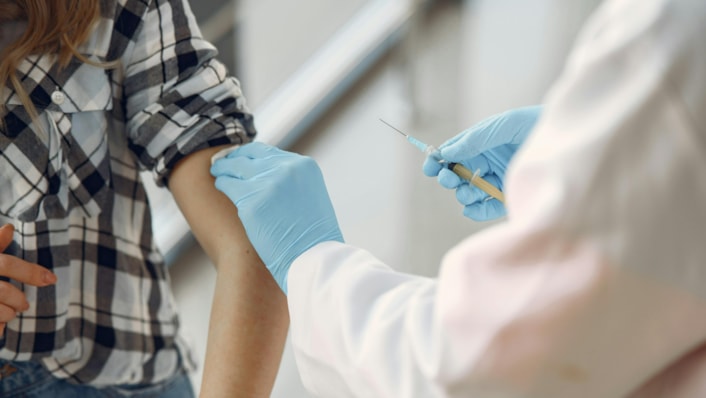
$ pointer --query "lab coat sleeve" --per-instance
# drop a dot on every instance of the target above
(594, 286)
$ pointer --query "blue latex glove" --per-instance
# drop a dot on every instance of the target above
(488, 146)
(282, 202)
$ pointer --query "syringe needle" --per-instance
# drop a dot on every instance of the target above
(461, 171)
(427, 149)
(394, 128)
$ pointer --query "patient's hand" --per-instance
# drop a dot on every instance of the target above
(12, 299)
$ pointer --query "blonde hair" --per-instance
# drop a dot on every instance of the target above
(55, 27)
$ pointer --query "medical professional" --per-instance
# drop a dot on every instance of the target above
(593, 286)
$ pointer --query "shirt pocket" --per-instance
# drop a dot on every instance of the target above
(59, 162)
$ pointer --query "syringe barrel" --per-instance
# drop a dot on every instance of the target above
(478, 181)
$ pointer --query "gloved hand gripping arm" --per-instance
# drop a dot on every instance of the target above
(282, 202)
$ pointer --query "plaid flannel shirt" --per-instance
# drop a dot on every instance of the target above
(70, 183)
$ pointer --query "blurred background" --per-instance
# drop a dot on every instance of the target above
(319, 75)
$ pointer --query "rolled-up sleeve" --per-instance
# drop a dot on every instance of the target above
(178, 97)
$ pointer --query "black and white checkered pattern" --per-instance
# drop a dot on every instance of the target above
(70, 184)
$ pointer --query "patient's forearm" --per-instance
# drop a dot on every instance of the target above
(249, 317)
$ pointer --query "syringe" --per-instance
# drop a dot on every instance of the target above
(460, 170)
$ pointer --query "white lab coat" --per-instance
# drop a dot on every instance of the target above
(595, 286)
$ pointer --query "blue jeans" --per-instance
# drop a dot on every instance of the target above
(31, 380)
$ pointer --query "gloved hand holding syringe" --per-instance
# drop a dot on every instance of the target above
(472, 177)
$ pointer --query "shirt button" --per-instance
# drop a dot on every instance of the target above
(58, 97)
